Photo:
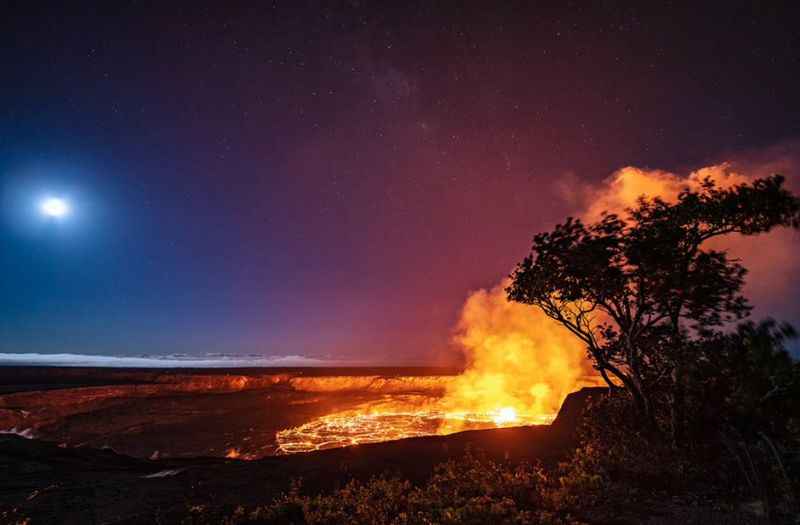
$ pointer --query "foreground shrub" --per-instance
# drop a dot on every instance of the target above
(472, 490)
(618, 467)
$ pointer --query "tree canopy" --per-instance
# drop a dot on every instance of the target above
(642, 290)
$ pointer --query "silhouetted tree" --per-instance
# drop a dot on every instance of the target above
(644, 291)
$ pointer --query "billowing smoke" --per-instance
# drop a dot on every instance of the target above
(518, 360)
(772, 259)
(517, 357)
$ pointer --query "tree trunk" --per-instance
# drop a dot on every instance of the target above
(640, 399)
(677, 407)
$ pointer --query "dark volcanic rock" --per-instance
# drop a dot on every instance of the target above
(572, 409)
(55, 485)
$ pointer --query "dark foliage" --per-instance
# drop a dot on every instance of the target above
(473, 490)
(646, 294)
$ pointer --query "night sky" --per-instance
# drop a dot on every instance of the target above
(333, 181)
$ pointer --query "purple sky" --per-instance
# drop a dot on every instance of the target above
(333, 182)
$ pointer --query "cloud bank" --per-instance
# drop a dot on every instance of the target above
(166, 361)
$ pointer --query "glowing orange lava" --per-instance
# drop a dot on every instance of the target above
(505, 415)
(395, 417)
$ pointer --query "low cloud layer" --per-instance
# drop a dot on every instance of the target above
(170, 361)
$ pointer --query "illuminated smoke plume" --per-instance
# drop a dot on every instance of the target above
(772, 259)
(518, 359)
(520, 364)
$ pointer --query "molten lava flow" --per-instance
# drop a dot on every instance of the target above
(505, 415)
(345, 429)
(393, 417)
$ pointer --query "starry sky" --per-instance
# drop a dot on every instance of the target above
(332, 180)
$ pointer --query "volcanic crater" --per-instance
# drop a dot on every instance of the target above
(239, 413)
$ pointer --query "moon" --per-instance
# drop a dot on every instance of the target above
(54, 207)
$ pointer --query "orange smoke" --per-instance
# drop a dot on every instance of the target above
(520, 363)
(771, 259)
(623, 188)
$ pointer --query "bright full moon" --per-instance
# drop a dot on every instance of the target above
(53, 207)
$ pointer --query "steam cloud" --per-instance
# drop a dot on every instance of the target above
(517, 357)
(772, 259)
